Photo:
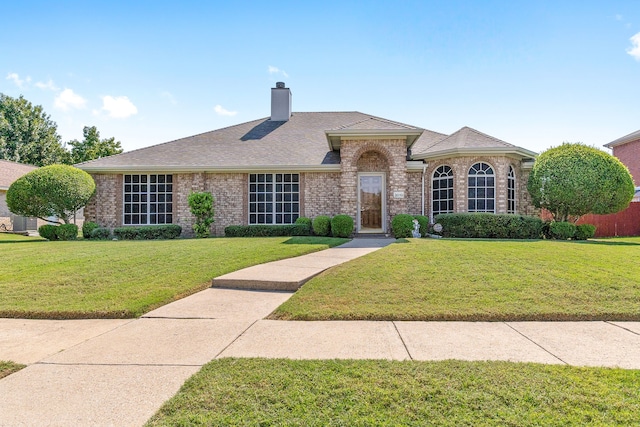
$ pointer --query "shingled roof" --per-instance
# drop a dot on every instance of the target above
(633, 136)
(10, 171)
(306, 141)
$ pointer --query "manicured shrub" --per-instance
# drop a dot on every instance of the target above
(48, 231)
(149, 232)
(267, 230)
(585, 231)
(67, 232)
(424, 224)
(342, 226)
(101, 233)
(201, 206)
(562, 230)
(304, 220)
(322, 225)
(87, 228)
(402, 226)
(491, 226)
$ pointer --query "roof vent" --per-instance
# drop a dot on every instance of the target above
(280, 103)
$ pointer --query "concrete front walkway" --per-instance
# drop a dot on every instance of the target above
(119, 372)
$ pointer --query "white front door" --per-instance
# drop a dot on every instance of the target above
(371, 203)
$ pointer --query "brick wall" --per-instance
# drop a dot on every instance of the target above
(629, 155)
(414, 193)
(105, 207)
(230, 199)
(320, 194)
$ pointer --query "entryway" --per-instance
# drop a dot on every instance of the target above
(371, 202)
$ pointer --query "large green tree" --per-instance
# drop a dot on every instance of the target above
(55, 190)
(27, 135)
(574, 179)
(92, 147)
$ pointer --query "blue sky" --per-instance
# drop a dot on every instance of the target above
(534, 74)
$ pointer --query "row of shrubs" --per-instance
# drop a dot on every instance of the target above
(402, 225)
(322, 225)
(507, 226)
(58, 232)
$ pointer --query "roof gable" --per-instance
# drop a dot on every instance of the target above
(10, 171)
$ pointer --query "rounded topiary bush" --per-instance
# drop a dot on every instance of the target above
(48, 231)
(562, 230)
(402, 226)
(342, 226)
(101, 233)
(67, 232)
(321, 225)
(87, 229)
(304, 220)
(585, 231)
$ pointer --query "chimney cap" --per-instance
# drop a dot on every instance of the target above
(280, 85)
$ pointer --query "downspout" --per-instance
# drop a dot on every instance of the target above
(424, 171)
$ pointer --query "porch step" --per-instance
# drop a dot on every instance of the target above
(373, 236)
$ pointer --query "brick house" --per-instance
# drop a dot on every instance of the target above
(272, 170)
(9, 172)
(627, 150)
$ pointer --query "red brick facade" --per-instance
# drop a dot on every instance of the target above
(629, 155)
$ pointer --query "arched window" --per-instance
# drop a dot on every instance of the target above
(511, 191)
(481, 189)
(442, 191)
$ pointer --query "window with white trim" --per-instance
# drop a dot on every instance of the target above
(148, 199)
(511, 191)
(442, 191)
(274, 198)
(481, 189)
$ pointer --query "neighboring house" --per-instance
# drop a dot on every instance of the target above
(273, 170)
(627, 222)
(9, 172)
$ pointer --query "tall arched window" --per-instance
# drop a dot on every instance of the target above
(511, 191)
(481, 189)
(442, 191)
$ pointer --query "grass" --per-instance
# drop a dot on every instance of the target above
(13, 238)
(120, 279)
(442, 279)
(260, 392)
(8, 368)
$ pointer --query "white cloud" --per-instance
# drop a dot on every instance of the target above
(118, 107)
(17, 80)
(275, 70)
(223, 112)
(69, 99)
(635, 49)
(48, 85)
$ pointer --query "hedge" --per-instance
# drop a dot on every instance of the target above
(402, 226)
(267, 230)
(585, 231)
(87, 229)
(148, 232)
(321, 225)
(342, 226)
(487, 225)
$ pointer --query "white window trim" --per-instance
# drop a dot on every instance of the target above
(383, 200)
(273, 201)
(148, 213)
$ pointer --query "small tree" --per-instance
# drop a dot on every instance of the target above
(201, 205)
(56, 190)
(92, 147)
(573, 180)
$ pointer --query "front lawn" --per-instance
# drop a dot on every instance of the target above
(443, 279)
(115, 279)
(364, 393)
(12, 238)
(7, 368)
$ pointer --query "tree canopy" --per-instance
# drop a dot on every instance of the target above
(92, 147)
(574, 179)
(27, 135)
(55, 190)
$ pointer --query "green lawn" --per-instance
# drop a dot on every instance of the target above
(260, 392)
(7, 368)
(13, 238)
(115, 279)
(443, 279)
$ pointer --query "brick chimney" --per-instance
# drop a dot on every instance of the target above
(280, 103)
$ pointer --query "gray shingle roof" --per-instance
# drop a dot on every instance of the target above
(10, 171)
(633, 136)
(299, 142)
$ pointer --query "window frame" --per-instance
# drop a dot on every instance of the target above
(511, 191)
(485, 188)
(155, 206)
(449, 179)
(276, 197)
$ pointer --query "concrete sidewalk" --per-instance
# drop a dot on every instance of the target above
(119, 372)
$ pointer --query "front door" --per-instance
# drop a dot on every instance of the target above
(371, 203)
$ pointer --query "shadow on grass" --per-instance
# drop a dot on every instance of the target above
(315, 240)
(606, 243)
